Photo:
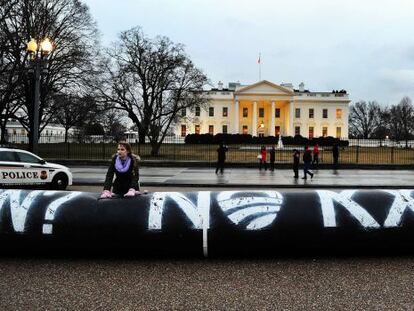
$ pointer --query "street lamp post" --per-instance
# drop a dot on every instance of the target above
(37, 65)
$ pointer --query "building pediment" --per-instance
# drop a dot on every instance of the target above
(264, 88)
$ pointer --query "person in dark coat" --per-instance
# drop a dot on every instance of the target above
(296, 160)
(335, 155)
(221, 158)
(307, 160)
(124, 165)
(272, 154)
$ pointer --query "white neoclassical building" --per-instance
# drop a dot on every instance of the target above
(52, 133)
(268, 109)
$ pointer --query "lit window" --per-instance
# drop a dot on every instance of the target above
(211, 129)
(311, 132)
(197, 129)
(183, 130)
(245, 129)
(277, 130)
(339, 113)
(338, 132)
(225, 112)
(325, 131)
(245, 112)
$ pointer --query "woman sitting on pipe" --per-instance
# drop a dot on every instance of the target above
(124, 165)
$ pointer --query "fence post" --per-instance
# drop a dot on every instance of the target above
(174, 142)
(321, 154)
(392, 155)
(67, 150)
(209, 145)
(139, 147)
(103, 148)
(357, 154)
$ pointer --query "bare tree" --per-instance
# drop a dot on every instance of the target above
(383, 130)
(152, 80)
(70, 27)
(402, 120)
(72, 111)
(113, 122)
(364, 119)
(10, 72)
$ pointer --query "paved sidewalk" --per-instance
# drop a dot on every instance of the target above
(245, 177)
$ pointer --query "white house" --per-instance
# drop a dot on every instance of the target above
(268, 109)
(52, 133)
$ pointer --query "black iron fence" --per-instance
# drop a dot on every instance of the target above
(360, 151)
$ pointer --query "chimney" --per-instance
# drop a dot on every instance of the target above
(234, 85)
(301, 87)
(220, 85)
(287, 85)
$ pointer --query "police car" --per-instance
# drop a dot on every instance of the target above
(22, 168)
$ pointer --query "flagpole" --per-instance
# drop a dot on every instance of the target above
(260, 68)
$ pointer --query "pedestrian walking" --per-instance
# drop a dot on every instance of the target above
(335, 155)
(124, 165)
(221, 158)
(272, 154)
(296, 160)
(307, 159)
(315, 156)
(263, 158)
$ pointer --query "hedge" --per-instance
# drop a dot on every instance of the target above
(229, 139)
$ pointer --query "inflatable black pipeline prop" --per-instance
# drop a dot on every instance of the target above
(208, 223)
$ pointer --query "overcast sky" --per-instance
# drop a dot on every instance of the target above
(363, 46)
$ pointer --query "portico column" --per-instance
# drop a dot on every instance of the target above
(272, 120)
(236, 117)
(291, 115)
(254, 123)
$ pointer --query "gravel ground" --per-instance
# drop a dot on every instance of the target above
(350, 283)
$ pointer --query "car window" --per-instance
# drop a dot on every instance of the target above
(8, 156)
(28, 158)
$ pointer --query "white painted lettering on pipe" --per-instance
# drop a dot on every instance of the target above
(327, 199)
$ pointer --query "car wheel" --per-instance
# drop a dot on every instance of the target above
(59, 182)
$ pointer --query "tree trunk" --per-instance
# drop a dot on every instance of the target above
(66, 135)
(3, 138)
(155, 149)
(141, 135)
(31, 136)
